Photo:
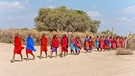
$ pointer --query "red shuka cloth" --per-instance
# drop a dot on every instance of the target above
(64, 44)
(114, 43)
(101, 43)
(44, 42)
(118, 43)
(29, 51)
(55, 42)
(18, 45)
(77, 43)
(122, 44)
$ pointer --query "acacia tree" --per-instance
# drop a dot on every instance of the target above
(63, 19)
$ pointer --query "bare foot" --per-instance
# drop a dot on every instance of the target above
(12, 61)
(90, 51)
(40, 57)
(33, 57)
(60, 55)
(50, 56)
(27, 59)
(55, 56)
(21, 60)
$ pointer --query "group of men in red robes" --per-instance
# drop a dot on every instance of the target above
(107, 43)
(29, 46)
(43, 47)
(75, 45)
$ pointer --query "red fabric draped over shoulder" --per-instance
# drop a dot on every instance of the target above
(123, 41)
(55, 42)
(101, 43)
(44, 42)
(64, 42)
(18, 45)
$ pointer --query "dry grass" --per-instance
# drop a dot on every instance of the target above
(131, 42)
(121, 51)
(6, 36)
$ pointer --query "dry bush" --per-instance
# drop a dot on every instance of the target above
(131, 42)
(121, 51)
(6, 36)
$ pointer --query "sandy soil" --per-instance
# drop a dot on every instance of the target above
(90, 64)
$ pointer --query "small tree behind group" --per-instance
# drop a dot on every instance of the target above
(63, 19)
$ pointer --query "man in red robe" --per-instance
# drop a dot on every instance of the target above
(64, 44)
(54, 45)
(44, 42)
(114, 41)
(123, 42)
(118, 42)
(17, 47)
(101, 43)
(66, 52)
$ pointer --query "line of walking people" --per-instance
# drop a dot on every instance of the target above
(103, 43)
(75, 43)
